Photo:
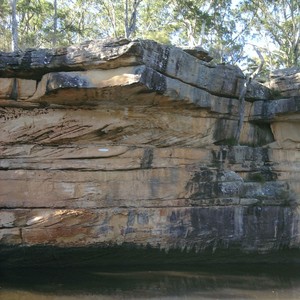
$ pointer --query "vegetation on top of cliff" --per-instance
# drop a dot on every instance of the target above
(275, 94)
(225, 27)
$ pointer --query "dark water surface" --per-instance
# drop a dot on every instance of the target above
(201, 282)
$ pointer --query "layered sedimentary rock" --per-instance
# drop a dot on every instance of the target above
(285, 83)
(116, 143)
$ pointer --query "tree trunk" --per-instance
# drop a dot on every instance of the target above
(130, 23)
(203, 26)
(296, 48)
(243, 95)
(14, 25)
(54, 40)
(126, 26)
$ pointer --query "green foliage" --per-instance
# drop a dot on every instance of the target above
(228, 142)
(256, 177)
(34, 22)
(218, 26)
(5, 25)
(155, 21)
(275, 94)
(276, 25)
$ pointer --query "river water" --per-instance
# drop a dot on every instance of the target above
(200, 282)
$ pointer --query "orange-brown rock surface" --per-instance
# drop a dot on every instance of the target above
(116, 143)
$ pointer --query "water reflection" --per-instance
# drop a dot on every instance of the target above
(209, 282)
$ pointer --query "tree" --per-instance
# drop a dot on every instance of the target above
(14, 25)
(79, 20)
(35, 23)
(156, 21)
(5, 25)
(130, 17)
(54, 23)
(194, 18)
(119, 18)
(210, 24)
(218, 26)
(277, 24)
(242, 96)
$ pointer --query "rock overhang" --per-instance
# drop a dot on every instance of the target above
(114, 143)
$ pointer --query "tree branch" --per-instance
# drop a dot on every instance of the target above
(242, 96)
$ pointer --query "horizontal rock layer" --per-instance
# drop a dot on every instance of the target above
(118, 143)
(221, 79)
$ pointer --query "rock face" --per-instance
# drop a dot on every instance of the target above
(285, 82)
(129, 143)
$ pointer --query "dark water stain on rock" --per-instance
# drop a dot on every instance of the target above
(146, 161)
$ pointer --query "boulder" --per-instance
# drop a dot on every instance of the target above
(285, 82)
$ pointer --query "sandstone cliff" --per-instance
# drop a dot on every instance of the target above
(121, 143)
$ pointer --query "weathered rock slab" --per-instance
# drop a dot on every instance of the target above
(170, 61)
(285, 82)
